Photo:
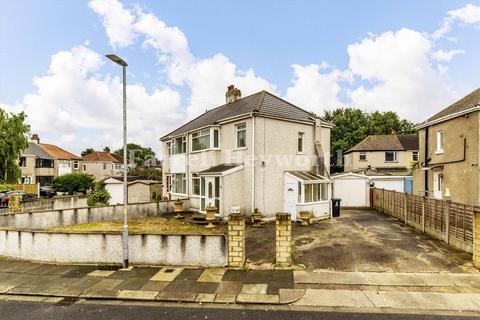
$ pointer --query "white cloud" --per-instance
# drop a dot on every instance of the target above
(117, 21)
(470, 14)
(399, 73)
(315, 88)
(442, 55)
(71, 99)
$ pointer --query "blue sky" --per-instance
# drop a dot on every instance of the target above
(182, 55)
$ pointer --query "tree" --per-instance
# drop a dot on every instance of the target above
(353, 125)
(107, 149)
(13, 140)
(87, 151)
(99, 195)
(73, 182)
(147, 173)
(137, 153)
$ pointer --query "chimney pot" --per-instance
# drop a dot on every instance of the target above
(35, 138)
(232, 94)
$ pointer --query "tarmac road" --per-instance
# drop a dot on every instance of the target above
(24, 310)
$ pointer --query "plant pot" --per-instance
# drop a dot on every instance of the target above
(210, 216)
(305, 217)
(178, 209)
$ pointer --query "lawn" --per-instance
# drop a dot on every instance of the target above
(152, 225)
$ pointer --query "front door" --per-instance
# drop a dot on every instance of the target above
(210, 192)
(437, 185)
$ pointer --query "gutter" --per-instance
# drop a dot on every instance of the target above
(448, 117)
(253, 156)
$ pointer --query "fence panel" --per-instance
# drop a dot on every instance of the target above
(448, 221)
(28, 188)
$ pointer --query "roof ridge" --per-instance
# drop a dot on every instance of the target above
(466, 97)
(261, 98)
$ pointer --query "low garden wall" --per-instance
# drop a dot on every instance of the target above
(106, 248)
(23, 236)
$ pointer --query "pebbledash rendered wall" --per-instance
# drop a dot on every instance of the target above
(21, 236)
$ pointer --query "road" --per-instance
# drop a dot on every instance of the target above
(20, 310)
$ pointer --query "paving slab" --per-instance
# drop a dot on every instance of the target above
(131, 284)
(287, 296)
(137, 295)
(212, 275)
(260, 288)
(100, 294)
(330, 277)
(258, 298)
(101, 273)
(166, 274)
(229, 287)
(393, 279)
(204, 287)
(334, 298)
(205, 297)
(155, 285)
(176, 296)
(225, 298)
(4, 288)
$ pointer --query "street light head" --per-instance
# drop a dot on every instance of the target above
(117, 59)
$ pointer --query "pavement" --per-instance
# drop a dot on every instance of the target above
(360, 240)
(360, 291)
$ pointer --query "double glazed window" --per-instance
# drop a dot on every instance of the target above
(440, 143)
(179, 183)
(300, 142)
(415, 155)
(241, 135)
(196, 185)
(363, 156)
(179, 145)
(201, 140)
(315, 192)
(391, 156)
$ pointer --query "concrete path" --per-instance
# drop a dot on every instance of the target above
(358, 290)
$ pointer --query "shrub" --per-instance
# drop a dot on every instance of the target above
(99, 196)
(3, 187)
(73, 182)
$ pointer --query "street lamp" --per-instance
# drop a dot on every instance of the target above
(124, 65)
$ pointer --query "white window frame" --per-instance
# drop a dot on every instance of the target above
(440, 142)
(201, 134)
(168, 149)
(395, 156)
(182, 146)
(183, 184)
(302, 191)
(195, 177)
(360, 156)
(76, 164)
(241, 128)
(415, 155)
(105, 166)
(300, 139)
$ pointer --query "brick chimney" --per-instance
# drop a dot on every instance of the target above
(35, 138)
(232, 94)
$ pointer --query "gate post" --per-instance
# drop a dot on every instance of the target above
(476, 239)
(15, 204)
(236, 240)
(283, 241)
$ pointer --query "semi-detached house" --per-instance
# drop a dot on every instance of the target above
(259, 151)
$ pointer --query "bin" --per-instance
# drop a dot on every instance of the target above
(336, 207)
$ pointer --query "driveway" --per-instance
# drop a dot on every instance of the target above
(360, 240)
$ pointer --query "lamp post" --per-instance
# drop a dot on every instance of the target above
(124, 65)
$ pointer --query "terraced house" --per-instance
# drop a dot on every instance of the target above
(259, 151)
(42, 162)
(448, 166)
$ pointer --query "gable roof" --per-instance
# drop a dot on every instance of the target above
(57, 152)
(470, 101)
(262, 103)
(387, 142)
(103, 156)
(35, 150)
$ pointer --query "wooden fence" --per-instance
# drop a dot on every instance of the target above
(33, 189)
(445, 220)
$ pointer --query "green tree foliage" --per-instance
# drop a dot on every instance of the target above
(87, 151)
(137, 153)
(13, 140)
(353, 125)
(147, 173)
(73, 182)
(99, 195)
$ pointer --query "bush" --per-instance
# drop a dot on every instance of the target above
(73, 182)
(99, 195)
(2, 187)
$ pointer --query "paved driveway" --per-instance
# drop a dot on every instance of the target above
(361, 240)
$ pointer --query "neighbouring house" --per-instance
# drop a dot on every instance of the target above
(382, 153)
(102, 164)
(138, 190)
(42, 162)
(153, 163)
(449, 153)
(259, 151)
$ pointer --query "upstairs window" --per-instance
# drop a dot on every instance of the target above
(300, 142)
(362, 156)
(241, 135)
(104, 166)
(22, 162)
(215, 138)
(76, 165)
(169, 149)
(391, 156)
(201, 140)
(179, 145)
(415, 155)
(440, 137)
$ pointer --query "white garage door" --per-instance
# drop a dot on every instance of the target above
(352, 191)
(390, 184)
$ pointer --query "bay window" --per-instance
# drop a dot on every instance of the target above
(201, 140)
(179, 183)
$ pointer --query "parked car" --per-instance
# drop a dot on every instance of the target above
(47, 192)
(4, 199)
